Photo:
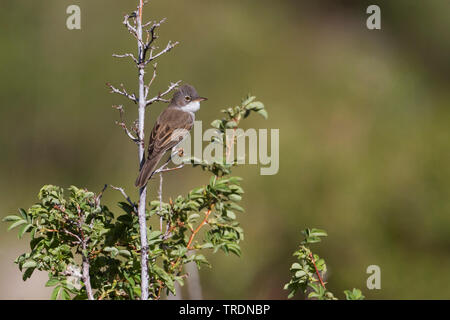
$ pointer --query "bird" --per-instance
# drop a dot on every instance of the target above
(171, 127)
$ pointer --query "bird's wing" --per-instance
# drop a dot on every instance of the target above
(170, 128)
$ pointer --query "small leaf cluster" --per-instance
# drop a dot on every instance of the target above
(234, 115)
(60, 229)
(309, 267)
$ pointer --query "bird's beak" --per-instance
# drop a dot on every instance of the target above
(199, 99)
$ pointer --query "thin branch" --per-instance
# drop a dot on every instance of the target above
(126, 55)
(164, 168)
(170, 45)
(160, 202)
(126, 22)
(147, 87)
(169, 169)
(99, 196)
(73, 235)
(85, 275)
(205, 220)
(122, 92)
(159, 97)
(123, 125)
(151, 35)
(141, 153)
(317, 271)
(122, 191)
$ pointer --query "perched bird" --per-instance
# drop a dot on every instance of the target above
(171, 127)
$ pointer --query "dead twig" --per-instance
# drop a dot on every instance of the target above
(122, 92)
(122, 191)
(123, 125)
(160, 96)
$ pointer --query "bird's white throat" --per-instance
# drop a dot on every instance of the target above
(193, 106)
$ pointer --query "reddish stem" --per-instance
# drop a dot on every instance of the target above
(317, 271)
(198, 229)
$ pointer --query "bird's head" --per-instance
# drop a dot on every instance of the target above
(187, 98)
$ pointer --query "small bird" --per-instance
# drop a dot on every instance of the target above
(171, 127)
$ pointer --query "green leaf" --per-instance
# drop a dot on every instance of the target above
(52, 282)
(264, 113)
(23, 213)
(235, 197)
(16, 224)
(355, 294)
(300, 273)
(231, 124)
(256, 106)
(154, 234)
(11, 218)
(216, 124)
(248, 100)
(25, 229)
(125, 206)
(231, 214)
(296, 266)
(29, 264)
(193, 217)
(125, 253)
(27, 274)
(55, 293)
(318, 233)
(65, 294)
(207, 245)
(235, 207)
(200, 259)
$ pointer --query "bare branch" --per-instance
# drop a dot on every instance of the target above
(151, 33)
(122, 92)
(141, 153)
(125, 196)
(127, 55)
(169, 47)
(126, 22)
(123, 125)
(172, 86)
(162, 170)
(99, 196)
(147, 87)
(73, 235)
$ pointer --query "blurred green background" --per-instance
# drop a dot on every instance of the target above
(364, 123)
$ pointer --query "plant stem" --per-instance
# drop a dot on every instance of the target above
(86, 277)
(205, 220)
(141, 152)
(317, 271)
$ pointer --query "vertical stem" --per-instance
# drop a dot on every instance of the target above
(142, 191)
(87, 278)
(85, 258)
(193, 283)
(317, 271)
(160, 201)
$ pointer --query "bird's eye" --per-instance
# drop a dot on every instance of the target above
(187, 98)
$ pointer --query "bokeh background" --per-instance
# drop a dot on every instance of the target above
(364, 123)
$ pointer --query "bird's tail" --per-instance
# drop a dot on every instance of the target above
(147, 171)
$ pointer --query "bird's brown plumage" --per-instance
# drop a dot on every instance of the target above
(171, 127)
